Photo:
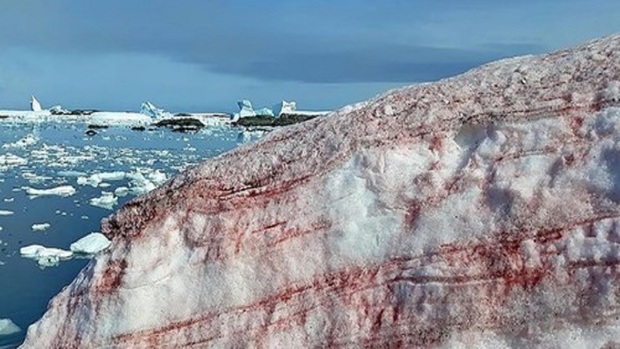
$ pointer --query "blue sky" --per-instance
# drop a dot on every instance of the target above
(197, 55)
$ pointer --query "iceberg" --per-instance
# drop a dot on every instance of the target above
(63, 190)
(148, 108)
(480, 211)
(284, 107)
(245, 110)
(8, 327)
(35, 105)
(107, 200)
(45, 256)
(41, 226)
(90, 244)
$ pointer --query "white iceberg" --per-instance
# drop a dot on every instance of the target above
(34, 104)
(96, 179)
(6, 213)
(41, 226)
(245, 110)
(45, 256)
(8, 327)
(148, 108)
(121, 191)
(284, 107)
(90, 244)
(107, 200)
(63, 190)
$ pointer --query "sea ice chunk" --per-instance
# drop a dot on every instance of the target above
(6, 213)
(34, 104)
(63, 190)
(107, 200)
(41, 226)
(45, 256)
(22, 143)
(90, 244)
(8, 327)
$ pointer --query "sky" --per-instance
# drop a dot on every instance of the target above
(204, 55)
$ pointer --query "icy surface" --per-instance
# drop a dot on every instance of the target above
(90, 244)
(41, 226)
(479, 211)
(284, 107)
(148, 108)
(107, 200)
(7, 327)
(34, 104)
(63, 190)
(45, 256)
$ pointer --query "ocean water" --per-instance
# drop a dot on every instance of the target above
(52, 153)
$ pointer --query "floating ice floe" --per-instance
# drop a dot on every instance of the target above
(45, 256)
(22, 143)
(95, 179)
(107, 200)
(63, 190)
(71, 174)
(90, 244)
(6, 213)
(41, 226)
(121, 191)
(8, 327)
(10, 160)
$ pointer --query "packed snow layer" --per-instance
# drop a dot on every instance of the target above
(479, 211)
(90, 244)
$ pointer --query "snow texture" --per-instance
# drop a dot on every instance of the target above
(478, 211)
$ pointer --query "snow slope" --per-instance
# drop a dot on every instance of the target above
(478, 211)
